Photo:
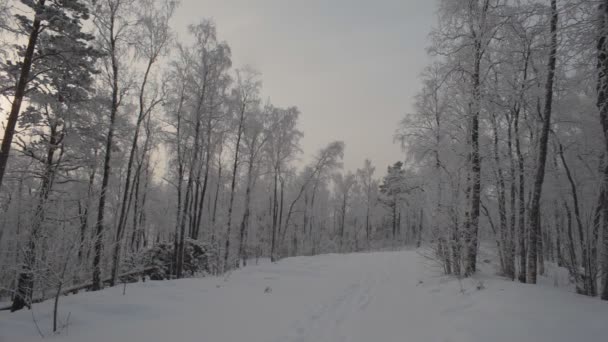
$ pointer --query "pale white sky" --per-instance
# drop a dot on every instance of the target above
(351, 66)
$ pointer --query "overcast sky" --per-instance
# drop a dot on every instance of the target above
(351, 66)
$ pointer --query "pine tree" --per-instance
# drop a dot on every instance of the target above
(64, 70)
(55, 35)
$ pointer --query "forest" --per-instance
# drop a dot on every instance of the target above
(128, 151)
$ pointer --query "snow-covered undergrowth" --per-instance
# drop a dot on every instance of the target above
(383, 296)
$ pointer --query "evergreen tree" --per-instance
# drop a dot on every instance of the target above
(55, 37)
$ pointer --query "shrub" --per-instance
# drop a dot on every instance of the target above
(199, 259)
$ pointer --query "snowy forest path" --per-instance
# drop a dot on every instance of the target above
(362, 297)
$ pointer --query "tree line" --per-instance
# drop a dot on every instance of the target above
(122, 141)
(511, 122)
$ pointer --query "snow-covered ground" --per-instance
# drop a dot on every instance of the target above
(385, 296)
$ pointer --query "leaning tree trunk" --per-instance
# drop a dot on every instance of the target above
(602, 104)
(592, 243)
(587, 287)
(26, 66)
(128, 194)
(533, 232)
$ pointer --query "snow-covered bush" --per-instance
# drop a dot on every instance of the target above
(157, 262)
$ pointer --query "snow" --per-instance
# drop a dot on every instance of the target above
(383, 296)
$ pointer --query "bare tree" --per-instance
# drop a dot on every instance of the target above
(152, 38)
(112, 24)
(533, 231)
(246, 95)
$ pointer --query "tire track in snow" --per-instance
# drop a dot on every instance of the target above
(328, 322)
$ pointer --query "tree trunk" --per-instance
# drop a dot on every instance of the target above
(534, 230)
(311, 219)
(232, 187)
(143, 237)
(97, 284)
(587, 288)
(25, 280)
(573, 265)
(558, 235)
(394, 230)
(420, 227)
(128, 195)
(540, 249)
(180, 181)
(503, 234)
(83, 214)
(199, 218)
(245, 221)
(217, 192)
(604, 295)
(342, 220)
(304, 223)
(179, 263)
(281, 205)
(472, 228)
(521, 204)
(24, 76)
(275, 208)
(456, 245)
(602, 104)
